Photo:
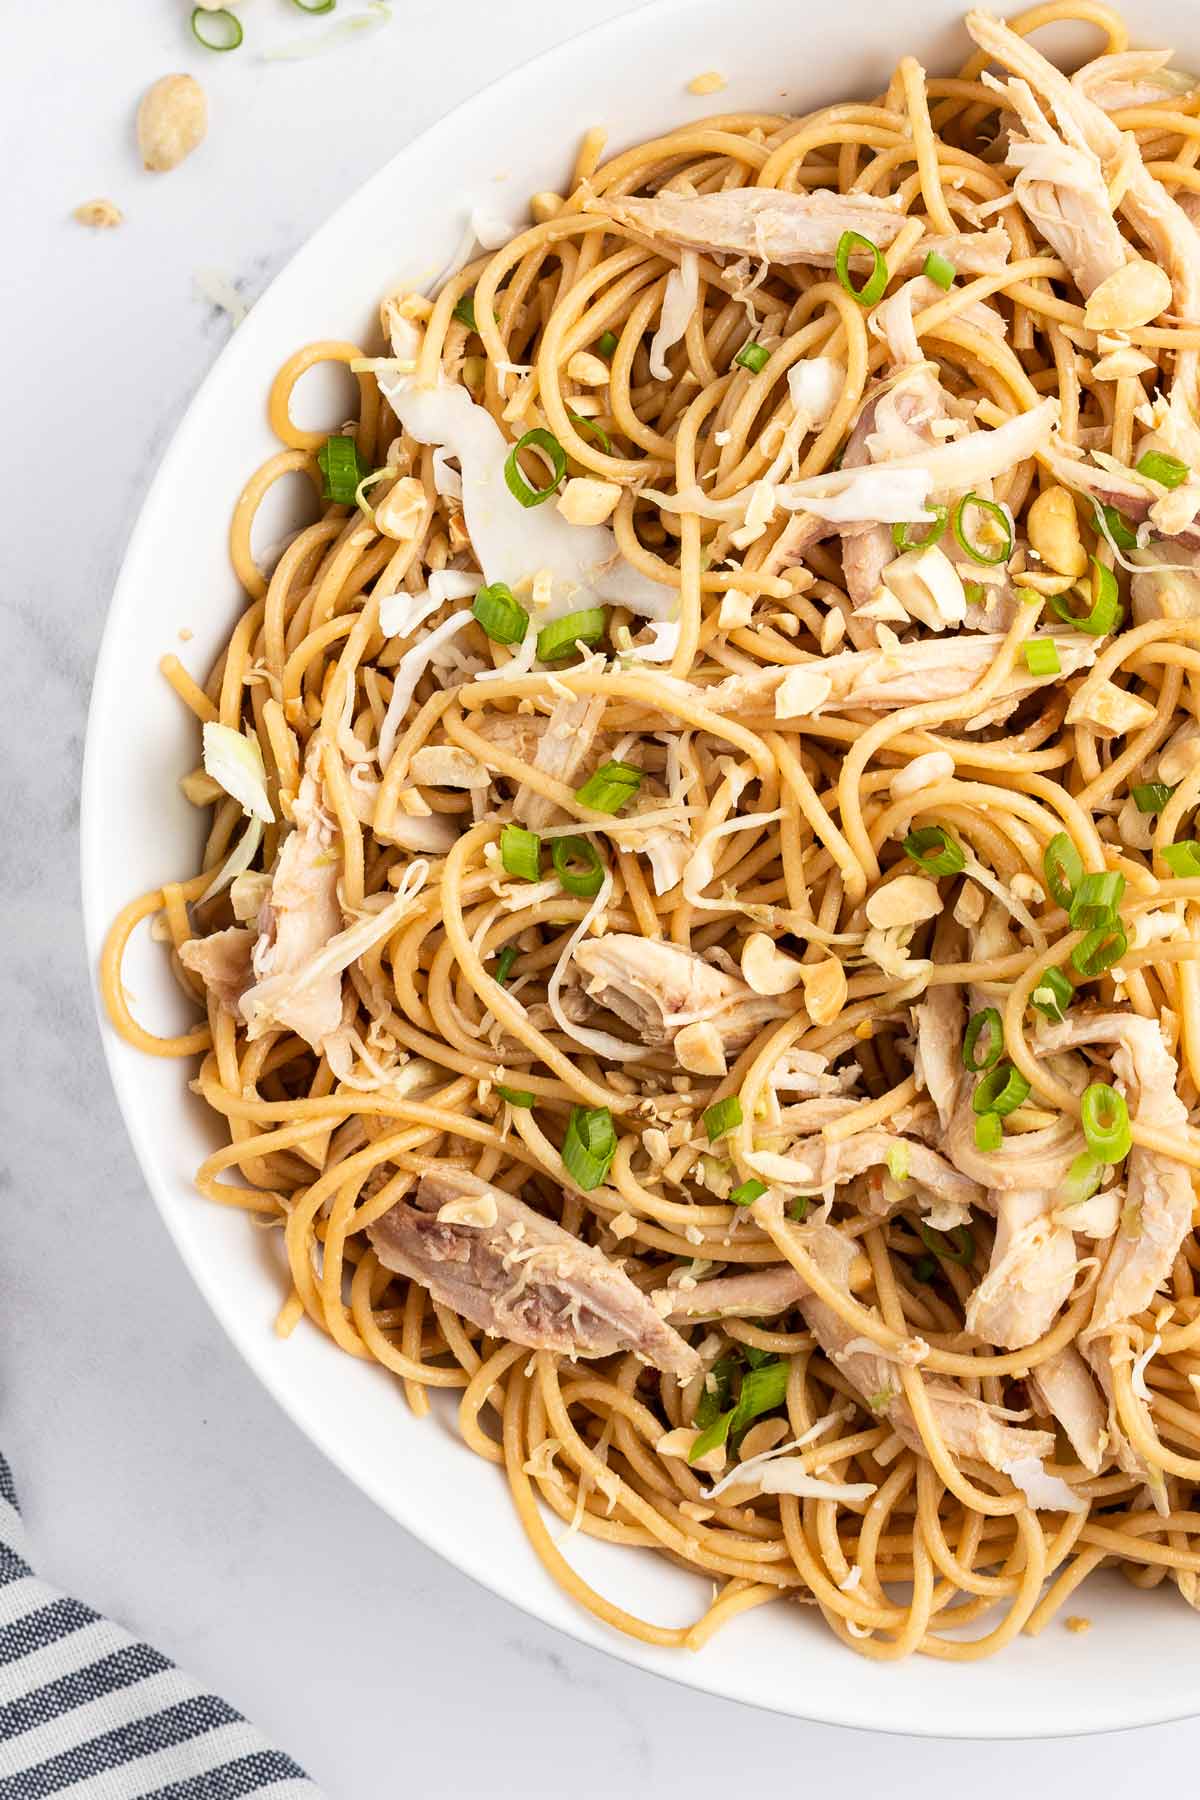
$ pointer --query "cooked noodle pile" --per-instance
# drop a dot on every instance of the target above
(696, 922)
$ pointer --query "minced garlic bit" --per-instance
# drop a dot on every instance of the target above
(101, 215)
(622, 1225)
(708, 83)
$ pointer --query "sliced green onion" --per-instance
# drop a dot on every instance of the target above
(606, 343)
(315, 6)
(722, 1117)
(590, 429)
(225, 31)
(974, 593)
(518, 486)
(747, 1192)
(988, 1020)
(1168, 471)
(1062, 866)
(559, 639)
(1105, 1119)
(989, 1131)
(1001, 1091)
(1151, 796)
(719, 1398)
(1052, 995)
(1095, 901)
(752, 356)
(712, 1438)
(1119, 529)
(502, 617)
(1041, 657)
(939, 268)
(903, 535)
(1100, 949)
(798, 1209)
(957, 1247)
(521, 852)
(1183, 858)
(578, 865)
(515, 1096)
(872, 288)
(504, 964)
(763, 1389)
(612, 786)
(342, 468)
(589, 1146)
(991, 510)
(933, 849)
(464, 312)
(1082, 1179)
(925, 1268)
(1104, 614)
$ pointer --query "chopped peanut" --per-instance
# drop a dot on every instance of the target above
(1054, 533)
(101, 215)
(908, 900)
(1129, 297)
(172, 119)
(766, 969)
(591, 371)
(585, 501)
(825, 990)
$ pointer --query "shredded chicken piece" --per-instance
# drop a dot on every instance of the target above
(1158, 1209)
(1062, 191)
(773, 225)
(222, 962)
(969, 1427)
(1030, 1274)
(940, 668)
(562, 749)
(298, 918)
(1063, 1386)
(658, 988)
(540, 1286)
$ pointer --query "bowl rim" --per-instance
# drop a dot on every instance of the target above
(1092, 1713)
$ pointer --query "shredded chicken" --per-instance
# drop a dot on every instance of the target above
(1158, 1208)
(222, 962)
(563, 748)
(298, 918)
(1063, 1386)
(658, 988)
(969, 1427)
(523, 1277)
(774, 225)
(903, 674)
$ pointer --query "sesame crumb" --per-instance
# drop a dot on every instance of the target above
(708, 83)
(1077, 1623)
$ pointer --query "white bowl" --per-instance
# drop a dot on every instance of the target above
(1137, 1665)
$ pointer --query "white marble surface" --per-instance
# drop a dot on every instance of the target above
(158, 1479)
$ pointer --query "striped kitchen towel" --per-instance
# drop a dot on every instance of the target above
(88, 1711)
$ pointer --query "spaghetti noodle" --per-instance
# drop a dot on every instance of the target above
(697, 925)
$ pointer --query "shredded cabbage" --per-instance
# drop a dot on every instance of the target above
(300, 49)
(408, 672)
(238, 860)
(1047, 1492)
(401, 613)
(679, 303)
(510, 540)
(236, 764)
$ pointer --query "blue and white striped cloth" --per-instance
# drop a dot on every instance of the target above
(90, 1712)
